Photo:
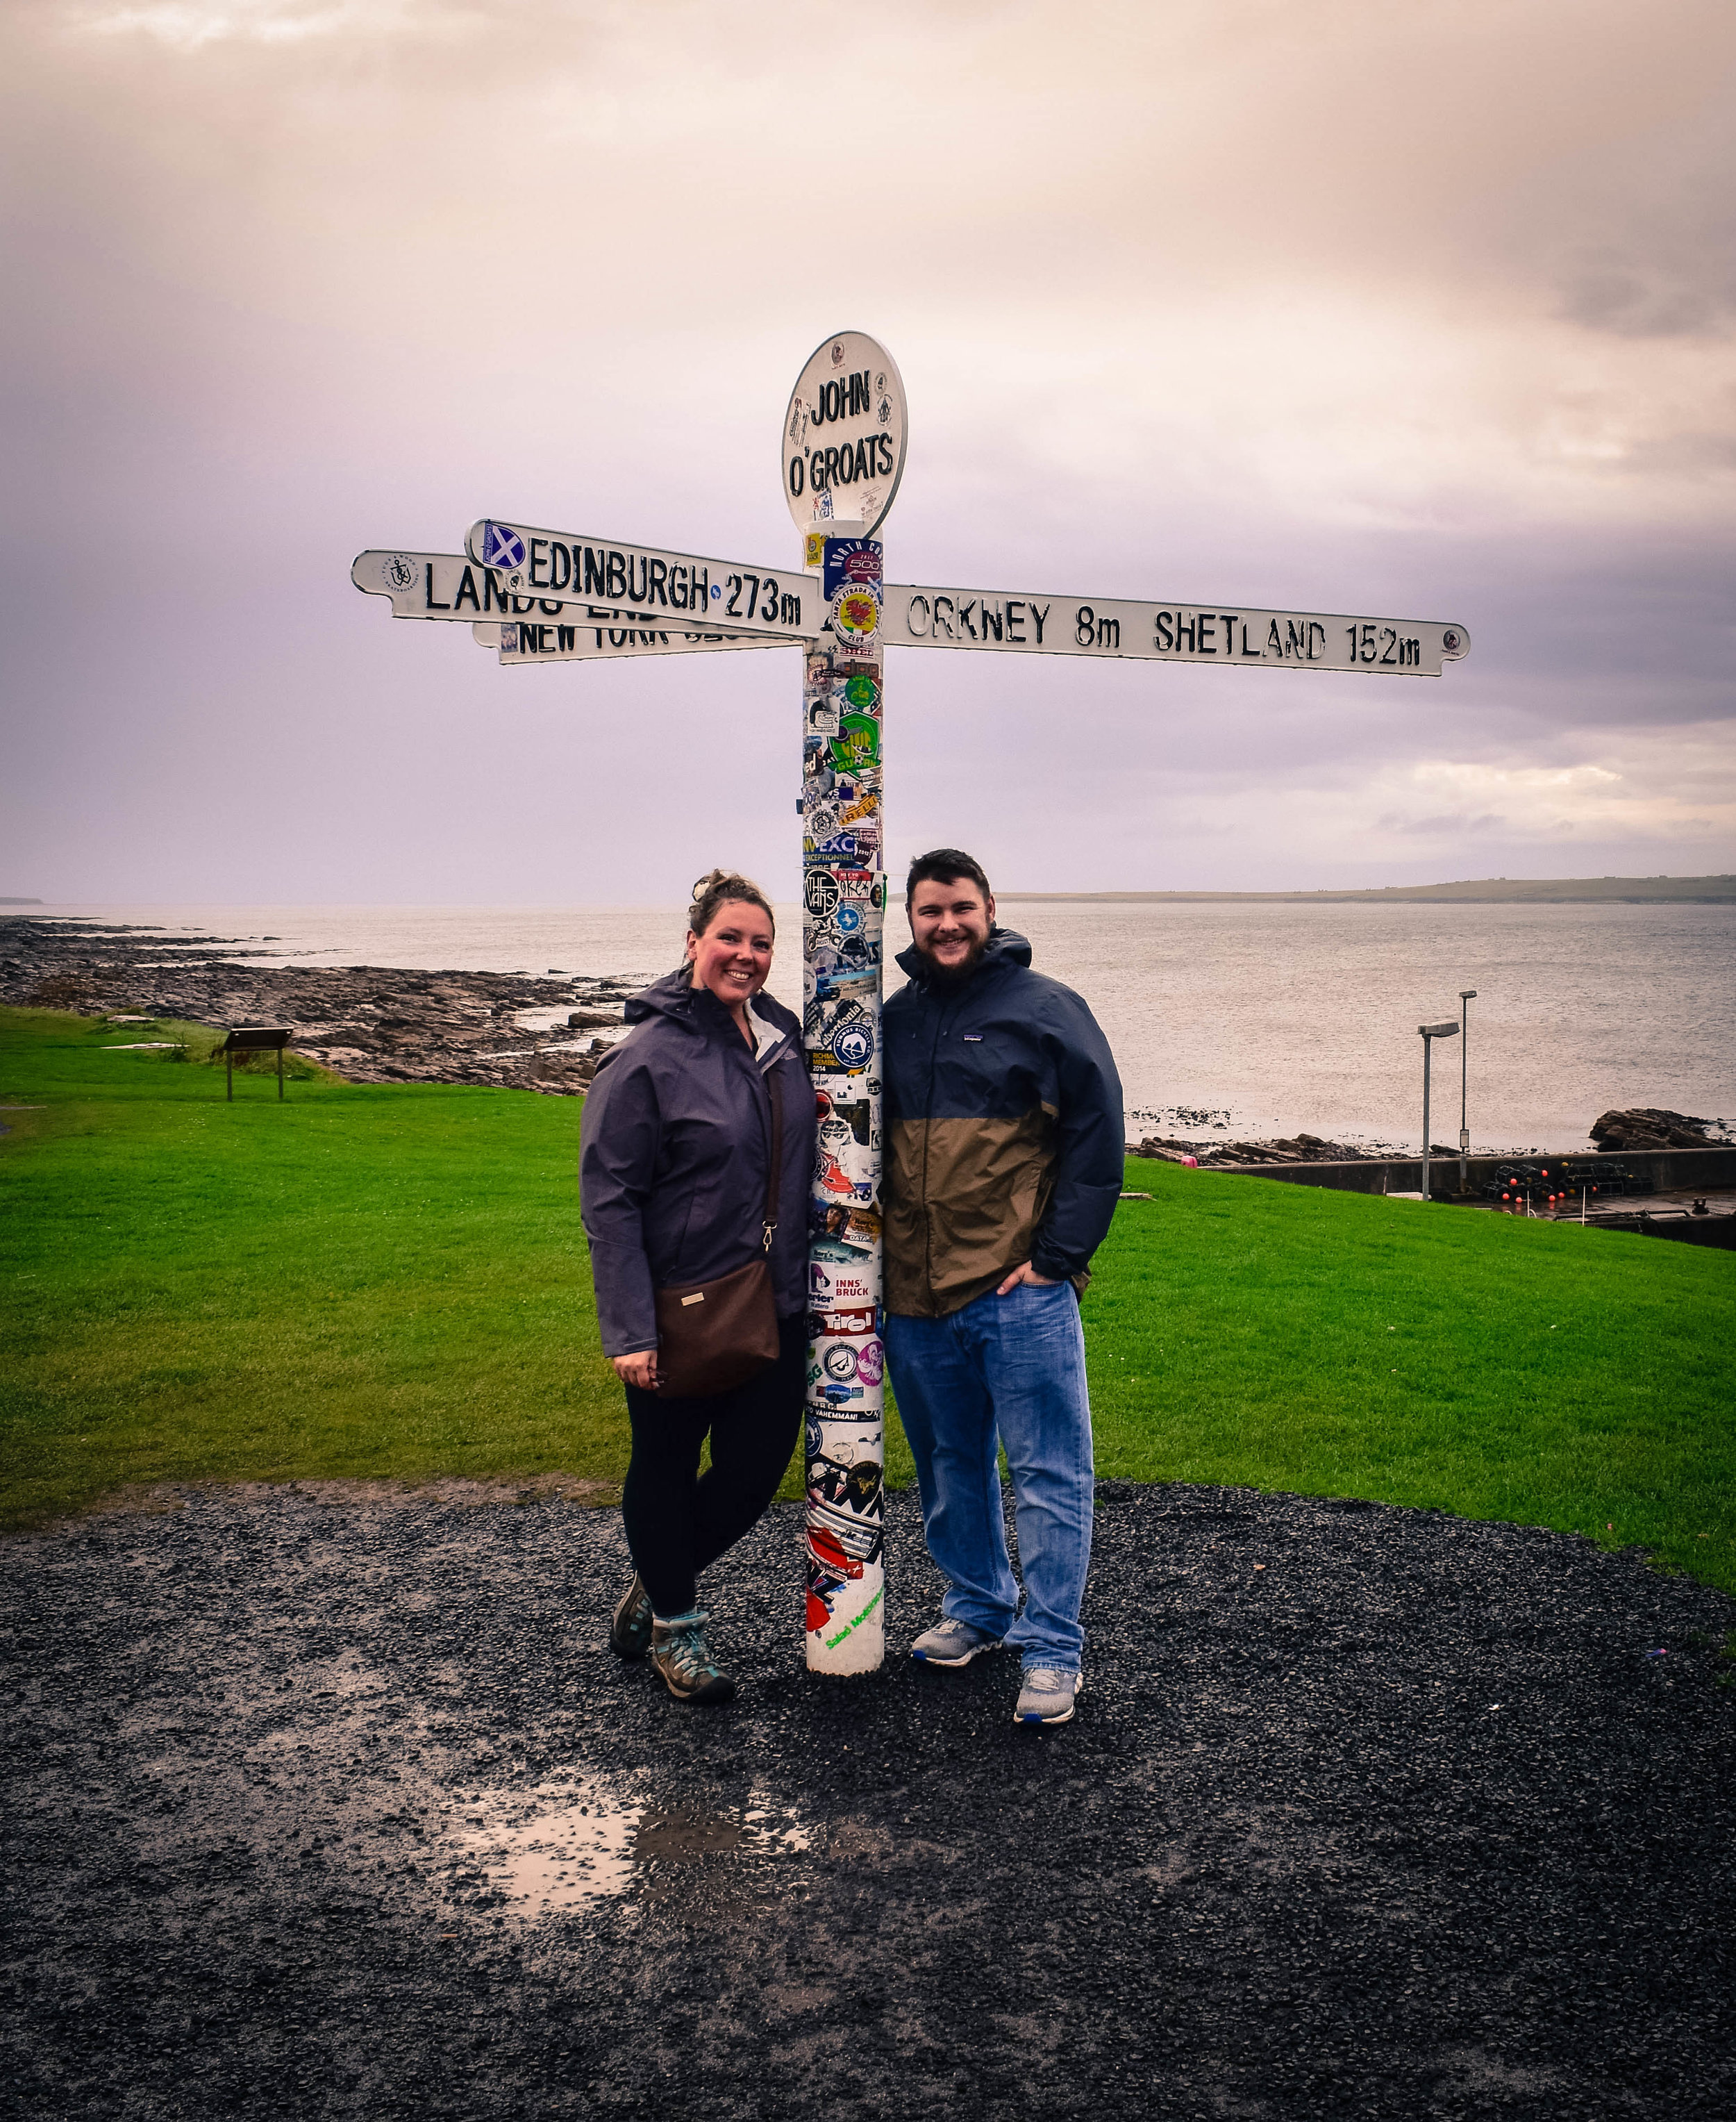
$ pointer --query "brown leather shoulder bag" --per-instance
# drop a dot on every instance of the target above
(713, 1335)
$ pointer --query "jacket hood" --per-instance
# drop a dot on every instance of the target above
(1007, 946)
(672, 996)
(697, 1010)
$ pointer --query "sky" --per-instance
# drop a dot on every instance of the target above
(1424, 310)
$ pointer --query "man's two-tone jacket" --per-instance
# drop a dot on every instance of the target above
(1003, 1131)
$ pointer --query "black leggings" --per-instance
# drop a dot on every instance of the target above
(677, 1526)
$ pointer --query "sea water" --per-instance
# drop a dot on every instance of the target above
(1225, 1018)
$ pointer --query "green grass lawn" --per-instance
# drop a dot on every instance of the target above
(390, 1280)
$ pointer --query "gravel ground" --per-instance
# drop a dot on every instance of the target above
(330, 1804)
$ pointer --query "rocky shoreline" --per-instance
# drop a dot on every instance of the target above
(1296, 1149)
(1636, 1130)
(381, 1024)
(370, 1024)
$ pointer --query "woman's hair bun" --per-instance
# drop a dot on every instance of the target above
(716, 888)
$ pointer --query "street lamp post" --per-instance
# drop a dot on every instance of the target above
(1431, 1033)
(1467, 996)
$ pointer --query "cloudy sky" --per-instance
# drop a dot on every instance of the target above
(1423, 310)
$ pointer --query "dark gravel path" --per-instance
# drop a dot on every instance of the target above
(275, 1760)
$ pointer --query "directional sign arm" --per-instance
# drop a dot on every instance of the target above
(1047, 624)
(453, 586)
(676, 588)
(423, 585)
(440, 586)
(582, 634)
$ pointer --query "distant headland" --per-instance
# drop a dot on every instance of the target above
(1483, 891)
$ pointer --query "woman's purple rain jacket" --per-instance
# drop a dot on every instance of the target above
(673, 1152)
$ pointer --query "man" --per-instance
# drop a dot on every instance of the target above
(1003, 1134)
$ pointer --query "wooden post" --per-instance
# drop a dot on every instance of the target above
(844, 904)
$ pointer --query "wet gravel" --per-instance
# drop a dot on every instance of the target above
(1365, 1811)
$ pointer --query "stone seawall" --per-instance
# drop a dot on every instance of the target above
(1669, 1170)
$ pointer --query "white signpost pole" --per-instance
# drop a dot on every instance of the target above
(843, 455)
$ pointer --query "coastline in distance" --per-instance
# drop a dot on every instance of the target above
(1488, 891)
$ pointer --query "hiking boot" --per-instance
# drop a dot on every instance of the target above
(688, 1671)
(951, 1642)
(630, 1630)
(1046, 1695)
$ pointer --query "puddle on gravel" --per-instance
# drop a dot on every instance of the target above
(601, 1839)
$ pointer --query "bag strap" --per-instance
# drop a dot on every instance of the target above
(774, 1171)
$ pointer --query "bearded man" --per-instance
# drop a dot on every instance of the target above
(1004, 1162)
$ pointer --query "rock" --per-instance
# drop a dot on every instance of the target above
(1651, 1127)
(1298, 1149)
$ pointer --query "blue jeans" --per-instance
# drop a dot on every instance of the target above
(1015, 1365)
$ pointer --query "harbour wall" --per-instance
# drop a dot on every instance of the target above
(1669, 1170)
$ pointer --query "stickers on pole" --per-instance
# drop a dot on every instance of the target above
(843, 913)
(844, 434)
(851, 582)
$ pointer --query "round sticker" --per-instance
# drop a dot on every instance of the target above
(840, 1363)
(871, 1362)
(853, 1045)
(856, 615)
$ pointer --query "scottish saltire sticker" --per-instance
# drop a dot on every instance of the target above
(502, 547)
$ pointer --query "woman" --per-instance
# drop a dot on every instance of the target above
(673, 1177)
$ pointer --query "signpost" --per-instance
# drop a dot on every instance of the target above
(550, 596)
(844, 437)
(1040, 623)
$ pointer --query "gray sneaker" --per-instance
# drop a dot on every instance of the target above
(951, 1642)
(680, 1657)
(630, 1628)
(1046, 1696)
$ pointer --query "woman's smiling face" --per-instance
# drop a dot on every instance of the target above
(734, 955)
